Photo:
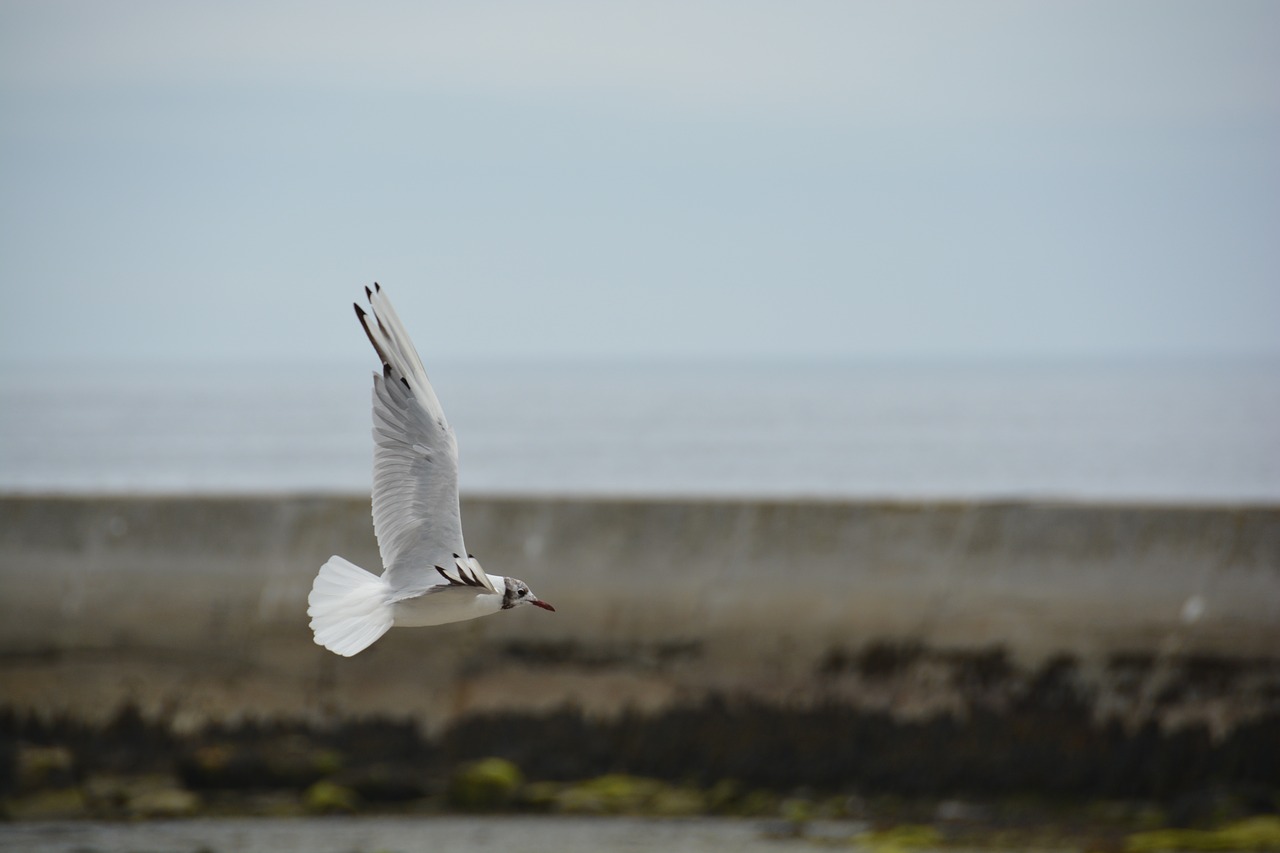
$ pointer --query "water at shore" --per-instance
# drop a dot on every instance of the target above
(402, 835)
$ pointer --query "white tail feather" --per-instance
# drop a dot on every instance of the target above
(349, 607)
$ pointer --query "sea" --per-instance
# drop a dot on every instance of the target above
(1163, 431)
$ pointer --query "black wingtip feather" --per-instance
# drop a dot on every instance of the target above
(364, 324)
(377, 287)
(463, 579)
(368, 293)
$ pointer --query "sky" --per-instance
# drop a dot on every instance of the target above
(216, 182)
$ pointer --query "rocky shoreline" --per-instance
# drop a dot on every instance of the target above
(1007, 734)
(132, 770)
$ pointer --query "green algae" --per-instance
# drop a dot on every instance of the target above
(620, 794)
(900, 839)
(1255, 833)
(613, 793)
(56, 804)
(325, 797)
(485, 785)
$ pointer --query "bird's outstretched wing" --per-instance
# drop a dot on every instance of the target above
(415, 467)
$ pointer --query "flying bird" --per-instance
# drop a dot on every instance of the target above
(428, 576)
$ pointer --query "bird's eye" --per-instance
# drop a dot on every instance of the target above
(523, 592)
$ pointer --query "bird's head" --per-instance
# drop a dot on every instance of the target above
(517, 592)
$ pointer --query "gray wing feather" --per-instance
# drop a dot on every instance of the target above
(415, 464)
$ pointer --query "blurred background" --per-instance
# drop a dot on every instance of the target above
(864, 383)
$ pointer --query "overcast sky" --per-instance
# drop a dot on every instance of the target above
(217, 181)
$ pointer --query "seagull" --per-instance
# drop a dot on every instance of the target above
(428, 577)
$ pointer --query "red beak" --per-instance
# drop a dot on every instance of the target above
(538, 602)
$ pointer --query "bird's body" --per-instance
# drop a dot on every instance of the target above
(448, 605)
(429, 578)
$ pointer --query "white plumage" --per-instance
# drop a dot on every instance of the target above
(428, 579)
(348, 607)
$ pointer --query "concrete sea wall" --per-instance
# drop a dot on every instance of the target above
(779, 615)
